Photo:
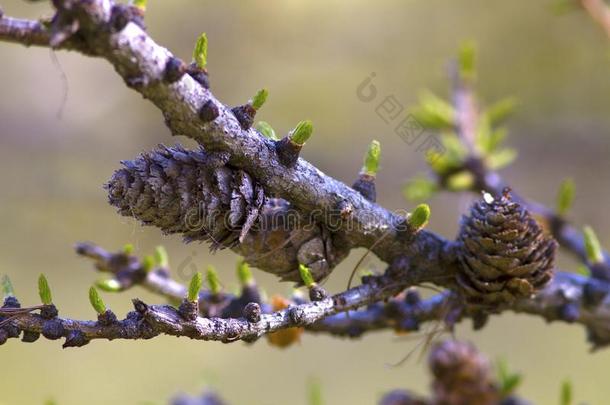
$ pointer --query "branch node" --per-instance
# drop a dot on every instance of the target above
(107, 318)
(317, 293)
(365, 185)
(53, 329)
(199, 75)
(252, 312)
(75, 338)
(140, 307)
(245, 115)
(297, 316)
(49, 311)
(287, 152)
(175, 68)
(188, 309)
(208, 111)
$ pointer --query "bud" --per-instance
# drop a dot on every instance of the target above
(301, 133)
(306, 276)
(566, 396)
(161, 257)
(371, 159)
(109, 285)
(288, 148)
(148, 263)
(365, 184)
(244, 274)
(200, 53)
(259, 98)
(592, 246)
(419, 217)
(213, 280)
(140, 5)
(7, 287)
(266, 129)
(96, 301)
(44, 290)
(194, 287)
(467, 61)
(565, 197)
(174, 70)
(128, 249)
(252, 312)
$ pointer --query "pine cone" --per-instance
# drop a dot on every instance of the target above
(194, 193)
(504, 253)
(188, 192)
(462, 376)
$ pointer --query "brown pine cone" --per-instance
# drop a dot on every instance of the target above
(198, 195)
(462, 376)
(504, 253)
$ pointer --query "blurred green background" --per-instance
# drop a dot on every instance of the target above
(311, 55)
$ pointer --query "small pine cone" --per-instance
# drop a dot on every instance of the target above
(188, 192)
(462, 376)
(504, 253)
(196, 194)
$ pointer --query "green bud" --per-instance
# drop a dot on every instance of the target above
(194, 287)
(213, 280)
(7, 287)
(566, 393)
(200, 53)
(244, 274)
(565, 196)
(315, 392)
(128, 249)
(109, 285)
(420, 216)
(266, 129)
(489, 140)
(561, 7)
(371, 159)
(44, 290)
(141, 4)
(433, 112)
(501, 158)
(592, 246)
(161, 257)
(507, 380)
(467, 61)
(306, 276)
(302, 132)
(259, 98)
(461, 181)
(148, 263)
(419, 188)
(96, 301)
(500, 110)
(583, 270)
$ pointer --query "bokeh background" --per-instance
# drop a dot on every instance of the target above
(311, 55)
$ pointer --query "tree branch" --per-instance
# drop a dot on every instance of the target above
(142, 64)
